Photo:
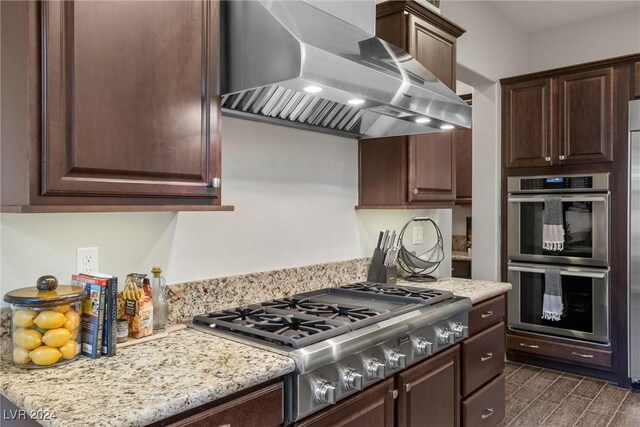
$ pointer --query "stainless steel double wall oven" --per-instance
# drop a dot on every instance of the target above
(584, 261)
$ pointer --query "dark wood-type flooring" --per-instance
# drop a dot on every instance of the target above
(537, 397)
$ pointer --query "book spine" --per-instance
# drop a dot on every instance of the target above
(103, 294)
(106, 333)
(90, 320)
(113, 313)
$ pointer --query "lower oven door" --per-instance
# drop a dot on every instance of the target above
(585, 298)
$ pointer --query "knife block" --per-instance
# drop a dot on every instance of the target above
(380, 273)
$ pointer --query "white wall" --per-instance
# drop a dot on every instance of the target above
(294, 193)
(603, 37)
(492, 47)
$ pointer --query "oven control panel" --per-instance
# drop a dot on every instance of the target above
(556, 182)
(596, 182)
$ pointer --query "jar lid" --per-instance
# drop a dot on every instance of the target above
(46, 291)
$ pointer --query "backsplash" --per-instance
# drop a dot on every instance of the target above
(458, 243)
(192, 298)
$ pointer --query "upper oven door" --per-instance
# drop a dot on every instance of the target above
(586, 227)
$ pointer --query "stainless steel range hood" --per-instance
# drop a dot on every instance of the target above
(317, 65)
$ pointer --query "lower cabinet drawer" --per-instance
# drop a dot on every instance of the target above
(485, 314)
(486, 407)
(262, 408)
(556, 350)
(482, 358)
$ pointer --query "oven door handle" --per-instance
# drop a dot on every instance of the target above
(536, 199)
(592, 275)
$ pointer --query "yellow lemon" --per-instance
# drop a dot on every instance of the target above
(24, 318)
(62, 308)
(70, 349)
(45, 355)
(28, 338)
(50, 319)
(56, 337)
(72, 320)
(21, 356)
(74, 334)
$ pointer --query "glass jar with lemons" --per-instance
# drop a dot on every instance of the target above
(45, 323)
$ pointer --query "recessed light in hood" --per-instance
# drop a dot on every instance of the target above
(274, 51)
(312, 89)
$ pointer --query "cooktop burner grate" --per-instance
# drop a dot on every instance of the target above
(345, 313)
(279, 326)
(428, 296)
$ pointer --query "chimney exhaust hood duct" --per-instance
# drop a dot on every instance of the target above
(317, 64)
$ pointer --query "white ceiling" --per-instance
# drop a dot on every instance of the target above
(538, 15)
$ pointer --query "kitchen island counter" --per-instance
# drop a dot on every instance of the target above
(476, 290)
(143, 383)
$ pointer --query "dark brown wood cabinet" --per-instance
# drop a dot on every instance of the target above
(547, 347)
(262, 407)
(429, 393)
(461, 269)
(585, 124)
(464, 165)
(486, 408)
(414, 170)
(432, 168)
(373, 407)
(527, 120)
(121, 117)
(483, 360)
(558, 120)
(636, 80)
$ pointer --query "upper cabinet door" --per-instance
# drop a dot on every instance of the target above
(433, 48)
(464, 164)
(432, 168)
(527, 118)
(130, 107)
(586, 116)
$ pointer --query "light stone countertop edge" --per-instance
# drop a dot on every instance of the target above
(105, 389)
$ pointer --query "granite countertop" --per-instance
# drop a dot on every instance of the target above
(460, 256)
(143, 383)
(476, 290)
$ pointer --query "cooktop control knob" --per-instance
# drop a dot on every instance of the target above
(459, 330)
(326, 393)
(375, 369)
(352, 380)
(397, 359)
(445, 336)
(424, 347)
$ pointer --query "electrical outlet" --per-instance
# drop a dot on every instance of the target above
(87, 260)
(418, 235)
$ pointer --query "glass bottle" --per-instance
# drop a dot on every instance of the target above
(158, 285)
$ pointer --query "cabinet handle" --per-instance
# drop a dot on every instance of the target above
(407, 387)
(415, 191)
(486, 357)
(487, 413)
(586, 356)
(529, 345)
(562, 157)
(394, 394)
(547, 159)
(486, 314)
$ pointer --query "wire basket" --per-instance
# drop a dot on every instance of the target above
(420, 266)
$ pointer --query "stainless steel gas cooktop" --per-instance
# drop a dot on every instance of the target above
(344, 339)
